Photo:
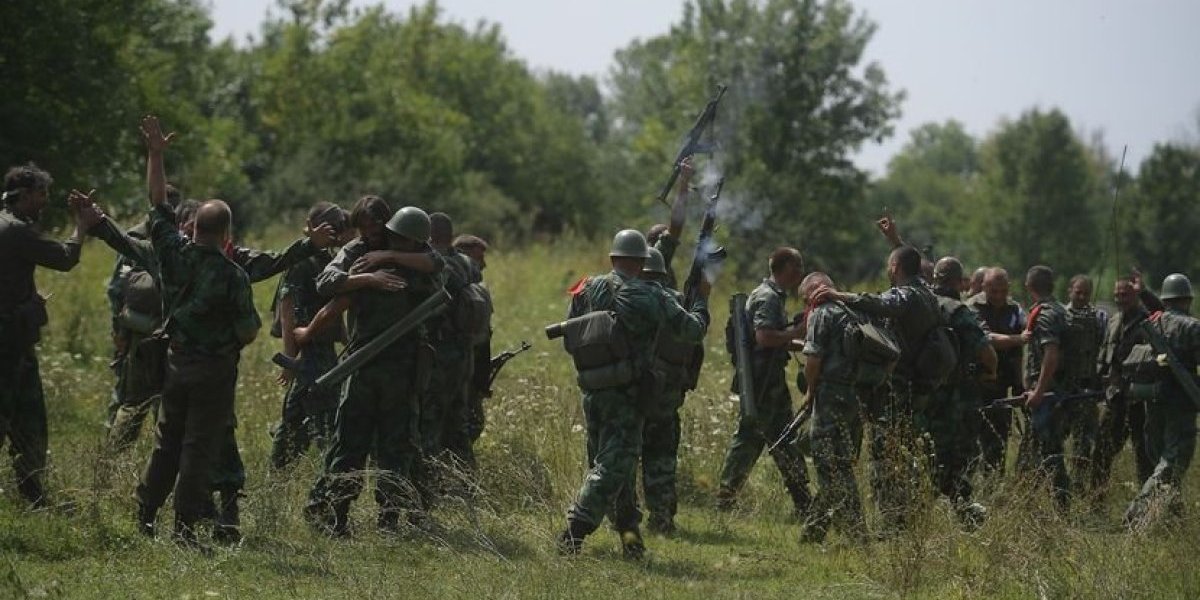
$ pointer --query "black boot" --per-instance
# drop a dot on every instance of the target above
(228, 525)
(661, 523)
(145, 518)
(570, 541)
(632, 546)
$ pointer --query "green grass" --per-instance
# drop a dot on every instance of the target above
(531, 463)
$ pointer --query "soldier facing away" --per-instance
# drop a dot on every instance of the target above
(613, 393)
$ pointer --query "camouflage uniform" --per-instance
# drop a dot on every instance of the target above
(1121, 417)
(22, 404)
(1049, 422)
(668, 245)
(378, 412)
(660, 436)
(897, 417)
(614, 416)
(481, 362)
(306, 417)
(954, 417)
(214, 312)
(1083, 416)
(1170, 423)
(765, 306)
(997, 422)
(836, 427)
(444, 429)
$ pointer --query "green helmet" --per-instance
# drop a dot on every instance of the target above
(655, 264)
(410, 222)
(630, 243)
(1176, 285)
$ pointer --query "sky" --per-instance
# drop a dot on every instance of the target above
(1126, 68)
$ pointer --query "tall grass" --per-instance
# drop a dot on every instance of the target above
(498, 544)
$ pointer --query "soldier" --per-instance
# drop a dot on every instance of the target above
(23, 248)
(612, 404)
(954, 416)
(912, 312)
(774, 337)
(1044, 375)
(1122, 417)
(1085, 331)
(976, 285)
(1004, 321)
(380, 277)
(480, 385)
(836, 420)
(444, 432)
(306, 417)
(1171, 415)
(660, 436)
(211, 318)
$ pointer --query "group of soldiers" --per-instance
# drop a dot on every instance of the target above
(934, 372)
(182, 310)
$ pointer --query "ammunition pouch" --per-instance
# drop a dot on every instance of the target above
(875, 351)
(1141, 366)
(619, 374)
(600, 349)
(676, 361)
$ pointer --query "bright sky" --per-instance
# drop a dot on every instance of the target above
(1127, 68)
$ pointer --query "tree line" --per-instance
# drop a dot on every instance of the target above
(330, 103)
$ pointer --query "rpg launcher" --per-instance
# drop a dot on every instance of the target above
(693, 143)
(499, 360)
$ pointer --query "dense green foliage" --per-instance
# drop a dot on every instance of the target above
(333, 103)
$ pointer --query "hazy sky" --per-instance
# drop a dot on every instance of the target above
(1130, 68)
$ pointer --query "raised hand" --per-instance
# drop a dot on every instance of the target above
(153, 136)
(322, 236)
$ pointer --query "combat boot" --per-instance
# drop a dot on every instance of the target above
(570, 541)
(726, 500)
(145, 518)
(632, 547)
(661, 524)
(227, 529)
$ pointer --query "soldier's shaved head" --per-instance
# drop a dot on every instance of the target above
(812, 281)
(213, 218)
(441, 229)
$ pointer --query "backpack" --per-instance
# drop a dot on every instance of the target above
(141, 301)
(470, 310)
(938, 357)
(874, 350)
(600, 349)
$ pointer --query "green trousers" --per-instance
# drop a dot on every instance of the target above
(660, 456)
(307, 415)
(836, 433)
(614, 419)
(1171, 442)
(23, 420)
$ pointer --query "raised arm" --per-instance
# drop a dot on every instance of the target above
(156, 145)
(679, 207)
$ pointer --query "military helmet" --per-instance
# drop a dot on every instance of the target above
(655, 264)
(1176, 285)
(410, 222)
(630, 243)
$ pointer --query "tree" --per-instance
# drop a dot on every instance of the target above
(1038, 197)
(800, 104)
(1162, 224)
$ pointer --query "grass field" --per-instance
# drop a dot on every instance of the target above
(500, 545)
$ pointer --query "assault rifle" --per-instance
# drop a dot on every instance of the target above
(1014, 401)
(498, 361)
(789, 432)
(1185, 379)
(707, 251)
(692, 143)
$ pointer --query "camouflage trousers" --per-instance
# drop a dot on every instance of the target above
(23, 420)
(1120, 419)
(898, 416)
(378, 416)
(994, 429)
(137, 392)
(444, 415)
(613, 418)
(753, 434)
(193, 425)
(307, 417)
(1171, 442)
(1083, 428)
(660, 457)
(836, 434)
(953, 422)
(478, 389)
